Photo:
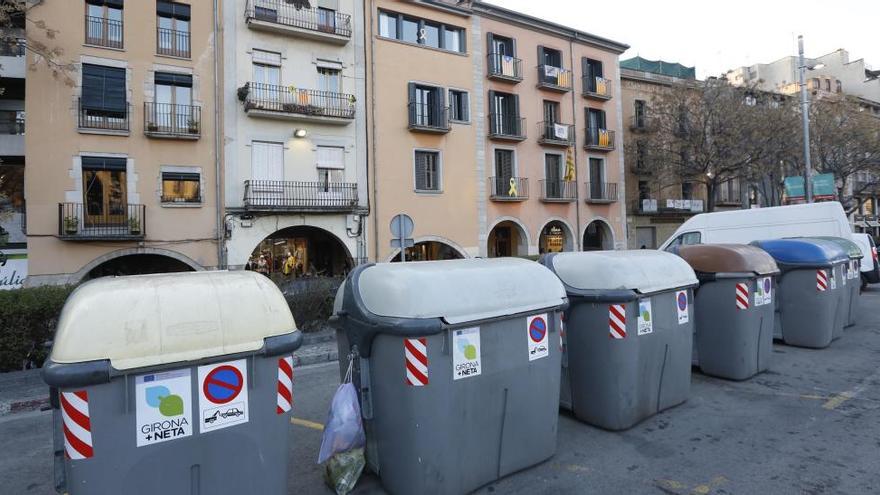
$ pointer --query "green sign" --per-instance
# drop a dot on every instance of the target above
(794, 187)
(823, 187)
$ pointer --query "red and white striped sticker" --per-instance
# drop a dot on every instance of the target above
(285, 385)
(416, 351)
(617, 321)
(821, 280)
(77, 426)
(742, 295)
(561, 332)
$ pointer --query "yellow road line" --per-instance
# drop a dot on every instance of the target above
(307, 424)
(837, 400)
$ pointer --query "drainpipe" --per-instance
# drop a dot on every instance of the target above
(577, 189)
(375, 208)
(218, 105)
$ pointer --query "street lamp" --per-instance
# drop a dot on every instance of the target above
(805, 114)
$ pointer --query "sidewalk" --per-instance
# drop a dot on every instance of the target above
(23, 391)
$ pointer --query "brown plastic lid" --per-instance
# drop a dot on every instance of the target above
(728, 258)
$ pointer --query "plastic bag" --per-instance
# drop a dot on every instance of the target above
(344, 430)
(343, 470)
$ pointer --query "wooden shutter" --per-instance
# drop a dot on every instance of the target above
(503, 166)
(411, 102)
(490, 43)
(540, 55)
(440, 117)
(420, 170)
(465, 106)
(551, 166)
(517, 127)
(103, 88)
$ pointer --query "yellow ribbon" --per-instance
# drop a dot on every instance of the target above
(512, 191)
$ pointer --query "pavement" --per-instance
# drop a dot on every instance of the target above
(810, 425)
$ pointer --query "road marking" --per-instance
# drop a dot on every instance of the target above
(673, 487)
(307, 424)
(837, 400)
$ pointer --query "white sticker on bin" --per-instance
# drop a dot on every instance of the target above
(646, 317)
(466, 355)
(536, 335)
(681, 304)
(223, 395)
(767, 284)
(164, 407)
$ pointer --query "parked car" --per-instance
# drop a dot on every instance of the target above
(745, 226)
(870, 263)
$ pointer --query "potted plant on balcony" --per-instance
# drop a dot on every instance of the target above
(71, 224)
(134, 225)
(192, 126)
(243, 91)
(152, 127)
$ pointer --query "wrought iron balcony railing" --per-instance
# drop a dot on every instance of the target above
(597, 88)
(293, 101)
(558, 191)
(554, 78)
(508, 188)
(171, 120)
(504, 67)
(101, 31)
(555, 133)
(101, 221)
(599, 139)
(276, 195)
(283, 13)
(507, 127)
(601, 192)
(103, 119)
(172, 43)
(428, 118)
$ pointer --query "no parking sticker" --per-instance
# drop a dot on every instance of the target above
(767, 284)
(536, 330)
(223, 395)
(681, 304)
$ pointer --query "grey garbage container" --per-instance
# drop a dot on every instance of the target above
(851, 275)
(173, 384)
(457, 368)
(628, 334)
(808, 312)
(734, 308)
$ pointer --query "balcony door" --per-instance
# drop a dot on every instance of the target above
(553, 175)
(331, 175)
(267, 186)
(173, 101)
(504, 172)
(105, 195)
(504, 112)
(267, 77)
(597, 178)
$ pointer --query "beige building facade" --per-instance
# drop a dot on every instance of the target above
(123, 146)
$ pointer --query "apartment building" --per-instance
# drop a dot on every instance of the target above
(13, 242)
(499, 133)
(122, 155)
(295, 135)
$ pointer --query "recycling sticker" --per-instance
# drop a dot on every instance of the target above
(164, 407)
(646, 323)
(466, 353)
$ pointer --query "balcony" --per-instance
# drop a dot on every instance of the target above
(504, 68)
(599, 139)
(172, 43)
(508, 189)
(102, 120)
(290, 196)
(280, 17)
(727, 197)
(12, 133)
(601, 192)
(167, 120)
(505, 127)
(106, 222)
(668, 207)
(558, 191)
(104, 32)
(289, 103)
(641, 123)
(12, 59)
(427, 118)
(555, 134)
(554, 78)
(597, 88)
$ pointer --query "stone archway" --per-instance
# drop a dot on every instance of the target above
(431, 248)
(316, 253)
(507, 238)
(135, 261)
(555, 236)
(598, 236)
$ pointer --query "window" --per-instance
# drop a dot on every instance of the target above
(640, 113)
(421, 31)
(173, 105)
(504, 117)
(459, 106)
(329, 80)
(103, 101)
(179, 187)
(644, 191)
(827, 84)
(267, 161)
(839, 88)
(641, 155)
(502, 46)
(427, 171)
(551, 112)
(12, 122)
(104, 190)
(751, 100)
(104, 23)
(815, 83)
(549, 56)
(502, 57)
(267, 75)
(326, 20)
(172, 33)
(427, 106)
(12, 206)
(329, 179)
(593, 73)
(686, 239)
(330, 168)
(597, 171)
(687, 190)
(504, 165)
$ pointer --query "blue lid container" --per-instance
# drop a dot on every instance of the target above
(806, 252)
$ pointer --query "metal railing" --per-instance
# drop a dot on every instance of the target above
(650, 206)
(13, 48)
(295, 196)
(558, 190)
(101, 31)
(508, 188)
(290, 100)
(12, 127)
(505, 67)
(556, 133)
(503, 125)
(101, 221)
(172, 42)
(601, 192)
(313, 19)
(554, 77)
(597, 87)
(170, 119)
(640, 123)
(424, 116)
(599, 139)
(103, 119)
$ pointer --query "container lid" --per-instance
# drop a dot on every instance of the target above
(851, 248)
(149, 320)
(802, 251)
(642, 270)
(728, 258)
(458, 290)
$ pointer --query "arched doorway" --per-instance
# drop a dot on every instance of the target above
(555, 237)
(430, 251)
(137, 264)
(301, 251)
(597, 236)
(507, 238)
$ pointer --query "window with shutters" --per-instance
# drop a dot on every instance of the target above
(329, 80)
(172, 31)
(180, 187)
(172, 110)
(503, 63)
(459, 106)
(504, 119)
(427, 108)
(103, 99)
(267, 76)
(427, 171)
(421, 31)
(103, 23)
(267, 161)
(330, 167)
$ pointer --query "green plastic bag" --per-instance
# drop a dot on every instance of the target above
(343, 469)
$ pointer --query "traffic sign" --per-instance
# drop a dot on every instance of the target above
(223, 384)
(402, 226)
(538, 329)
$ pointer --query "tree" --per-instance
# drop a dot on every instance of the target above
(16, 22)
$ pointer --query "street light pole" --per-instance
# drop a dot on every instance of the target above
(805, 114)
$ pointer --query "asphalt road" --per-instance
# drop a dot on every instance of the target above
(810, 425)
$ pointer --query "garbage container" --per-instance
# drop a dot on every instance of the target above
(457, 368)
(808, 299)
(628, 334)
(173, 383)
(734, 308)
(851, 276)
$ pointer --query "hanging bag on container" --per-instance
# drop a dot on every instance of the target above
(342, 447)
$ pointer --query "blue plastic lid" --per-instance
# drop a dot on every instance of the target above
(803, 251)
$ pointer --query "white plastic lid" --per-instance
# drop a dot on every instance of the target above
(642, 270)
(459, 291)
(148, 320)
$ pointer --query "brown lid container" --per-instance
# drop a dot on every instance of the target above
(728, 258)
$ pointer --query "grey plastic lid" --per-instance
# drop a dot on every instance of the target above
(458, 291)
(644, 271)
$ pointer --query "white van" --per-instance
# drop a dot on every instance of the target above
(870, 268)
(745, 226)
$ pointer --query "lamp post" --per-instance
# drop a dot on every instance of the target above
(805, 114)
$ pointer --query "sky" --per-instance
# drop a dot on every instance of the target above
(719, 36)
